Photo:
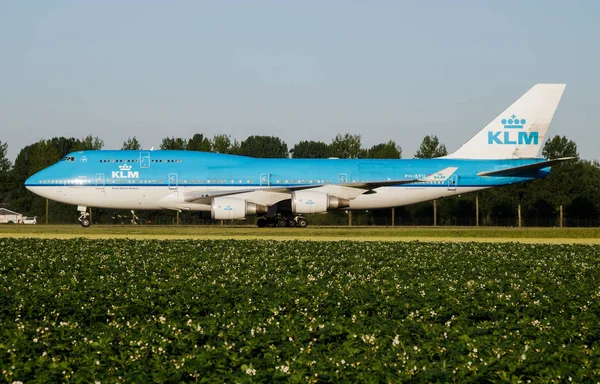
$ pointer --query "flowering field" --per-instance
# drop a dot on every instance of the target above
(266, 311)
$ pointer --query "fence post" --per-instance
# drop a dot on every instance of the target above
(477, 209)
(561, 216)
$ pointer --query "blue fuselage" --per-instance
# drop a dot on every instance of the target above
(167, 179)
(188, 168)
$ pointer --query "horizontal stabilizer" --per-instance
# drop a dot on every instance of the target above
(515, 171)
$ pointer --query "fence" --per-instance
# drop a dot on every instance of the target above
(363, 220)
(335, 218)
(483, 222)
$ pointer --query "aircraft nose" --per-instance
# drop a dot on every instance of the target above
(34, 184)
(33, 180)
(30, 181)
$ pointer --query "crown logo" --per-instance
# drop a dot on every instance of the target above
(125, 167)
(513, 122)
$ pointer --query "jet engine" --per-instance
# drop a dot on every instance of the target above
(227, 208)
(316, 202)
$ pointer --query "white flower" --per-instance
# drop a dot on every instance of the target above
(283, 368)
(251, 371)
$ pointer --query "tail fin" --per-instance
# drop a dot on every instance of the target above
(519, 131)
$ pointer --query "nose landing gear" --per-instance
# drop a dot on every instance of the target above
(84, 217)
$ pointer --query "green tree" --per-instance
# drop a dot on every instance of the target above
(559, 146)
(65, 145)
(576, 180)
(346, 146)
(89, 143)
(31, 159)
(199, 143)
(310, 150)
(430, 148)
(586, 201)
(387, 150)
(173, 143)
(5, 166)
(131, 144)
(263, 146)
(221, 143)
(235, 147)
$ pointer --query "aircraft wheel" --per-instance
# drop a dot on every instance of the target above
(282, 222)
(261, 222)
(85, 222)
(292, 223)
(302, 222)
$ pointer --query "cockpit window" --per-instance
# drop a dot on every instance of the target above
(68, 158)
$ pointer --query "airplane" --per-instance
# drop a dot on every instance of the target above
(281, 191)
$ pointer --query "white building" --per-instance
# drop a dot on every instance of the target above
(7, 216)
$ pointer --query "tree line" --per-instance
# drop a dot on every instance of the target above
(345, 146)
(572, 186)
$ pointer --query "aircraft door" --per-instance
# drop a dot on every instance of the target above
(265, 180)
(342, 178)
(100, 181)
(173, 181)
(452, 182)
(144, 159)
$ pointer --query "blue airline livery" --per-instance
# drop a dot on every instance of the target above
(282, 190)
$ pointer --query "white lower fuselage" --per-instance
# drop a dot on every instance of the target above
(163, 197)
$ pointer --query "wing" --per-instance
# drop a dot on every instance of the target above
(272, 195)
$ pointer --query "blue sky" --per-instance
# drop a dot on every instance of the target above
(297, 70)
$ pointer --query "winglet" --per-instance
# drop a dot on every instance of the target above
(441, 175)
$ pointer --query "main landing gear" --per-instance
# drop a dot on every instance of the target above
(84, 217)
(282, 221)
